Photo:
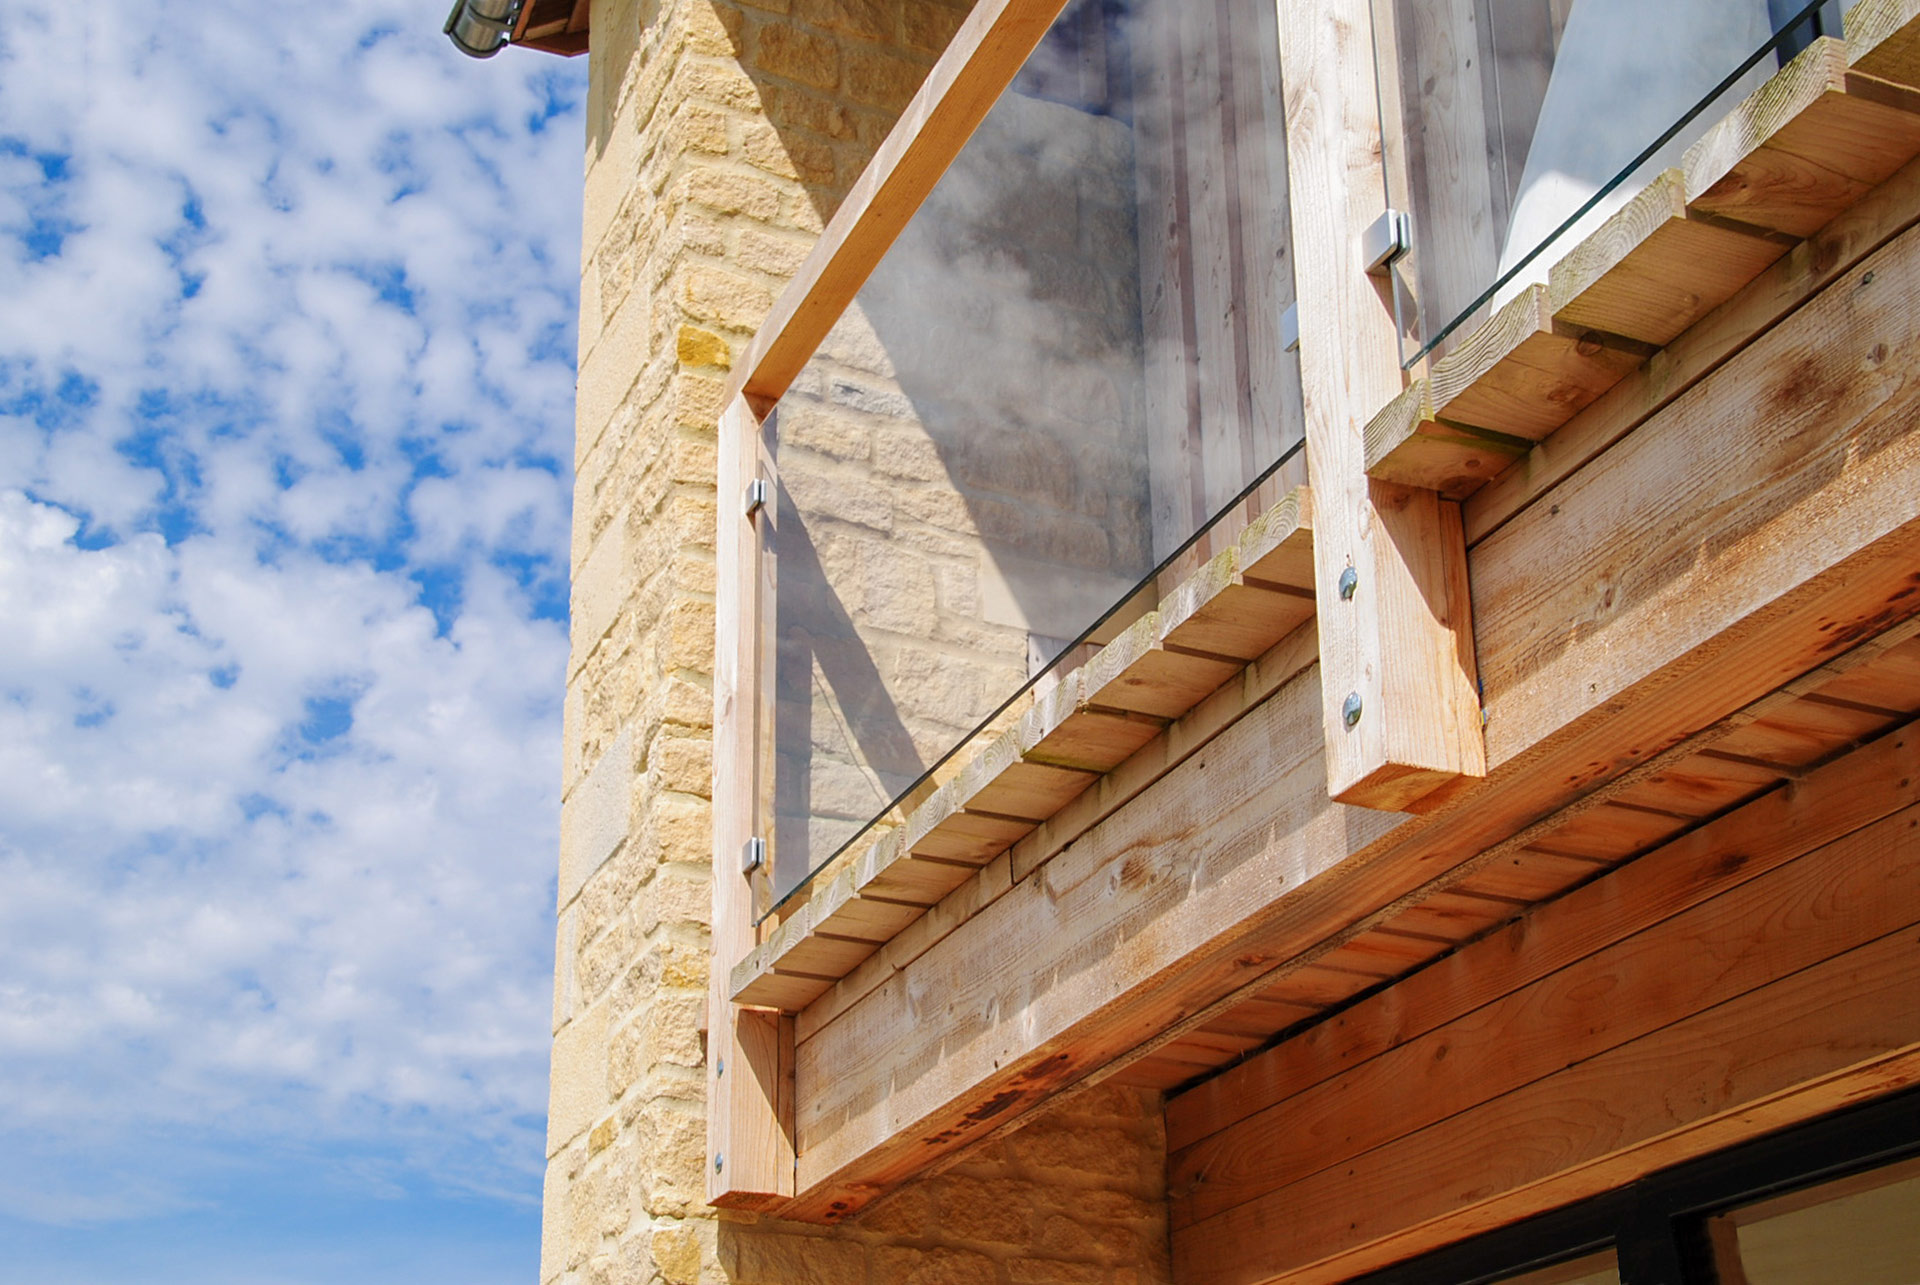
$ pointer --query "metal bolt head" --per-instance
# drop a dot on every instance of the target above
(719, 1067)
(1349, 582)
(719, 1162)
(1350, 711)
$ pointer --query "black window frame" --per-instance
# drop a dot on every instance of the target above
(1658, 1224)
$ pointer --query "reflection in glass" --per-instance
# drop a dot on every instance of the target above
(1517, 115)
(1864, 1230)
(1067, 365)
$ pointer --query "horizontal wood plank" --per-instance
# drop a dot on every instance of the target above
(1835, 899)
(1570, 1134)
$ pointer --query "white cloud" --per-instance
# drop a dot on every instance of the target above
(285, 411)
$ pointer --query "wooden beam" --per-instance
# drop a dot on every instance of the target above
(1858, 790)
(980, 62)
(1883, 38)
(1740, 448)
(1238, 864)
(1729, 930)
(749, 1051)
(1236, 608)
(1779, 1054)
(1401, 713)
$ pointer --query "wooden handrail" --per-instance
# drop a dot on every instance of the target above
(986, 53)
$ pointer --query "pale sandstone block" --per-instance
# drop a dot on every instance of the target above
(755, 1256)
(675, 1251)
(555, 1192)
(902, 1266)
(607, 373)
(566, 943)
(593, 817)
(600, 588)
(578, 1093)
(797, 54)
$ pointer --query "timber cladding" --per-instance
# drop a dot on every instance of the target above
(1756, 972)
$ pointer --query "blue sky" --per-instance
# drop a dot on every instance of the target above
(287, 301)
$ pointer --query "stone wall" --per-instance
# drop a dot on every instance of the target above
(721, 134)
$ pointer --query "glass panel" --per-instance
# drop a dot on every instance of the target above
(1593, 1269)
(1864, 1230)
(1066, 366)
(1527, 123)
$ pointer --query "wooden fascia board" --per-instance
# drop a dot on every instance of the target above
(1804, 541)
(978, 64)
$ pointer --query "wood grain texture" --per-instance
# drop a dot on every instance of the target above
(1883, 39)
(1234, 610)
(1585, 1129)
(1408, 445)
(1207, 885)
(1810, 427)
(746, 1128)
(1401, 645)
(1883, 214)
(1564, 1002)
(1650, 271)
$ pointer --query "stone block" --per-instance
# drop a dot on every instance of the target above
(930, 25)
(906, 1214)
(881, 79)
(675, 1251)
(731, 192)
(606, 375)
(718, 81)
(593, 817)
(991, 1211)
(565, 989)
(554, 1219)
(794, 53)
(759, 1256)
(899, 1265)
(600, 587)
(696, 347)
(578, 1090)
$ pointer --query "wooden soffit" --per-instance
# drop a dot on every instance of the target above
(555, 26)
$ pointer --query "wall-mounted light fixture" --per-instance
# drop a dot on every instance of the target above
(481, 28)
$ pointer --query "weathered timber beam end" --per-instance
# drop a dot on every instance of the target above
(749, 1051)
(1400, 710)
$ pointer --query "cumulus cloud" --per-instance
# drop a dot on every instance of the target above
(285, 413)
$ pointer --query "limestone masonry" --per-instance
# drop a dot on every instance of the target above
(721, 136)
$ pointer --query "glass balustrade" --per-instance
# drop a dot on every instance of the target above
(1525, 124)
(1068, 368)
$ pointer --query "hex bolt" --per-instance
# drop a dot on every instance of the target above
(719, 1162)
(1351, 710)
(1349, 582)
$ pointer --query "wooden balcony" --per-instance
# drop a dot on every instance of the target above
(1682, 481)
